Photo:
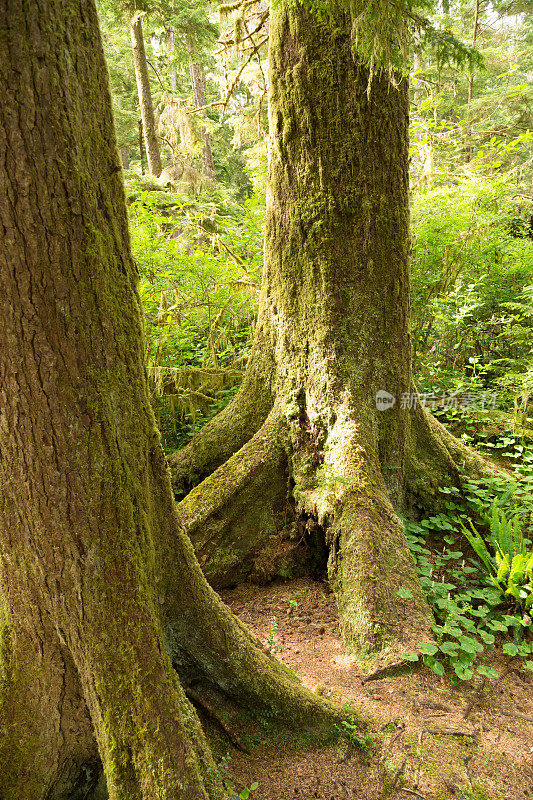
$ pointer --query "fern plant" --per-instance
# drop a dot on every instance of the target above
(510, 565)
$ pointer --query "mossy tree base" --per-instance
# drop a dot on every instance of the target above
(332, 334)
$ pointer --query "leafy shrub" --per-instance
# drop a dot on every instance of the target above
(199, 262)
(472, 280)
(480, 601)
(510, 566)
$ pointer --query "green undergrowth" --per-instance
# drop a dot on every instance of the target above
(475, 563)
(357, 736)
(199, 261)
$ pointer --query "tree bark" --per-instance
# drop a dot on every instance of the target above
(141, 146)
(145, 98)
(474, 39)
(125, 157)
(105, 616)
(198, 90)
(171, 49)
(333, 332)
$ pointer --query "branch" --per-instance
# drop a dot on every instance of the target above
(229, 42)
(239, 73)
(157, 76)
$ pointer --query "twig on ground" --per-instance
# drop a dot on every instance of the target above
(515, 714)
(451, 732)
(396, 736)
(379, 673)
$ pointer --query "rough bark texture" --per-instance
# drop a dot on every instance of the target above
(333, 331)
(145, 98)
(105, 614)
(198, 91)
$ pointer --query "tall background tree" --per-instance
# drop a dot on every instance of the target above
(146, 104)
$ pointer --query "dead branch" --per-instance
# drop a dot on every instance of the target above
(451, 732)
(239, 73)
(382, 671)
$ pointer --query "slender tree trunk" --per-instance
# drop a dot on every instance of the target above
(145, 97)
(198, 90)
(125, 157)
(171, 49)
(419, 91)
(468, 148)
(141, 146)
(332, 342)
(106, 619)
(474, 40)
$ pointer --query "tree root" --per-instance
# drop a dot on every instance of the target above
(213, 712)
(222, 651)
(224, 435)
(437, 459)
(368, 555)
(232, 514)
(369, 562)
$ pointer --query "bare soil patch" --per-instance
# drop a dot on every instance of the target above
(429, 739)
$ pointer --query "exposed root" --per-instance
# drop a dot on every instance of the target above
(369, 562)
(233, 513)
(437, 459)
(230, 516)
(213, 711)
(221, 650)
(224, 435)
(369, 559)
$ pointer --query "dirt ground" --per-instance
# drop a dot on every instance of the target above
(428, 739)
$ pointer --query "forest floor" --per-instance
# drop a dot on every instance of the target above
(428, 739)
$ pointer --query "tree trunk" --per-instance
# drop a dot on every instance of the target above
(171, 49)
(106, 619)
(141, 146)
(474, 40)
(198, 91)
(125, 157)
(468, 134)
(145, 97)
(332, 336)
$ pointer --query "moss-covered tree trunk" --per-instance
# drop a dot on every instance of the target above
(145, 97)
(198, 90)
(332, 336)
(106, 620)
